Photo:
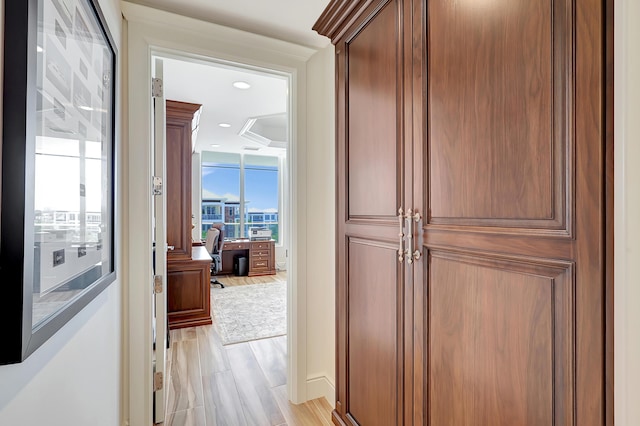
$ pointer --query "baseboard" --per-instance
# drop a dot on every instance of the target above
(321, 386)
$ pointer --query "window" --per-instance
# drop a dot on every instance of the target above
(256, 204)
(221, 194)
(261, 193)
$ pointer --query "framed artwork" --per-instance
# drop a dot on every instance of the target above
(57, 241)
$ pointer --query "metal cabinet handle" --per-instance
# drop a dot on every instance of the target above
(412, 217)
(400, 235)
(409, 217)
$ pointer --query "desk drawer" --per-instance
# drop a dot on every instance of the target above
(262, 245)
(235, 246)
(260, 253)
(260, 259)
(260, 264)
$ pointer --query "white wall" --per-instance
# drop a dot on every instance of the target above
(321, 242)
(74, 378)
(627, 213)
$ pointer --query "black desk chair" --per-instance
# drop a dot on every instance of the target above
(214, 244)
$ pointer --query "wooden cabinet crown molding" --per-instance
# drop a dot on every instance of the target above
(338, 16)
(180, 109)
(186, 111)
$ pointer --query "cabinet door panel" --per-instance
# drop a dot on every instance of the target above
(513, 157)
(501, 339)
(369, 184)
(372, 150)
(500, 121)
(373, 333)
(188, 303)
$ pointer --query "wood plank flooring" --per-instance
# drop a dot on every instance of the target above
(232, 280)
(242, 384)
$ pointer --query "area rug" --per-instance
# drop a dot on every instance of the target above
(250, 312)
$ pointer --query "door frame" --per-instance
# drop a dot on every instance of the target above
(626, 210)
(148, 36)
(159, 215)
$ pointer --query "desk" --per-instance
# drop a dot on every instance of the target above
(260, 254)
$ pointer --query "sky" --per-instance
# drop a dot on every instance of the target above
(261, 186)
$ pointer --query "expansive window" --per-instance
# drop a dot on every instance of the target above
(261, 193)
(241, 191)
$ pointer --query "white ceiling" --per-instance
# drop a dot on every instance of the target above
(289, 20)
(211, 86)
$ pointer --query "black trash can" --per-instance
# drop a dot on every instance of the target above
(240, 265)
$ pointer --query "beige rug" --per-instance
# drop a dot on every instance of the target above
(250, 312)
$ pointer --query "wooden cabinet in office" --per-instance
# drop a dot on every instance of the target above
(182, 124)
(494, 124)
(187, 266)
(188, 297)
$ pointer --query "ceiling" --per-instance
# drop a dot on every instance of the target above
(289, 20)
(264, 104)
(211, 85)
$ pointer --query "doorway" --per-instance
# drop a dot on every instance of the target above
(146, 35)
(239, 188)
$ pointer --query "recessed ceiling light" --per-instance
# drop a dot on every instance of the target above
(241, 85)
(251, 148)
(225, 125)
(215, 145)
(39, 49)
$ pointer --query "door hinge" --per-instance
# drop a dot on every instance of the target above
(157, 284)
(158, 381)
(156, 87)
(157, 185)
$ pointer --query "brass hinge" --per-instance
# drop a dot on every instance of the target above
(157, 284)
(156, 87)
(158, 381)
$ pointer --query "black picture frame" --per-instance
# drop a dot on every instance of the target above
(59, 89)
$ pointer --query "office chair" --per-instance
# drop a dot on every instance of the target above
(214, 244)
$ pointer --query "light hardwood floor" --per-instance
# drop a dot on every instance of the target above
(232, 280)
(234, 385)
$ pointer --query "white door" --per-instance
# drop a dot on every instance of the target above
(160, 238)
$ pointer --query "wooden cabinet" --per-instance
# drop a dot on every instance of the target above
(188, 268)
(188, 301)
(480, 134)
(182, 122)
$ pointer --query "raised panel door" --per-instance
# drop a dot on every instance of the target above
(188, 287)
(372, 117)
(370, 191)
(500, 341)
(373, 296)
(511, 308)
